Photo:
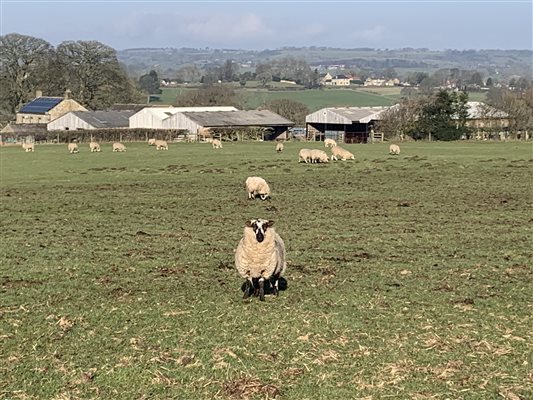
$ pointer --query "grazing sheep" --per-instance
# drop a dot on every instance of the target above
(394, 149)
(304, 155)
(151, 142)
(73, 148)
(343, 154)
(94, 147)
(28, 146)
(256, 185)
(216, 144)
(279, 147)
(118, 147)
(161, 145)
(319, 156)
(330, 143)
(260, 257)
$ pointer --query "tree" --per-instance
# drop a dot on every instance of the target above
(215, 95)
(489, 83)
(22, 59)
(476, 79)
(290, 109)
(229, 71)
(444, 116)
(149, 83)
(94, 75)
(401, 119)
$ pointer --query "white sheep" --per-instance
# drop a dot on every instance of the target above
(394, 149)
(151, 142)
(304, 155)
(319, 156)
(216, 144)
(73, 148)
(28, 146)
(279, 147)
(260, 257)
(330, 143)
(161, 145)
(255, 185)
(118, 147)
(338, 152)
(94, 147)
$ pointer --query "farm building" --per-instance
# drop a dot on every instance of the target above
(44, 109)
(344, 124)
(75, 120)
(159, 117)
(194, 121)
(485, 120)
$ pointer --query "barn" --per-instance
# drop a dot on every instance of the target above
(273, 124)
(91, 120)
(343, 124)
(44, 109)
(161, 117)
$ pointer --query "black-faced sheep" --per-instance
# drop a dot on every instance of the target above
(257, 186)
(260, 258)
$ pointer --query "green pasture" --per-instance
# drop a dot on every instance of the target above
(409, 277)
(314, 99)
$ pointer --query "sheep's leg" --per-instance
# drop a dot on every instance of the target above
(262, 289)
(248, 289)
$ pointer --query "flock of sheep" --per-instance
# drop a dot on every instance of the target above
(260, 257)
(337, 152)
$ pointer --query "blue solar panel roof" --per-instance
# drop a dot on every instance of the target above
(41, 105)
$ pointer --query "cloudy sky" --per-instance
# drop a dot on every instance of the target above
(444, 24)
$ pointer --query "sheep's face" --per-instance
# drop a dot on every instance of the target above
(259, 227)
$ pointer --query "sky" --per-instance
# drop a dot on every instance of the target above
(258, 25)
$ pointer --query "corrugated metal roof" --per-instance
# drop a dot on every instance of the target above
(360, 114)
(41, 105)
(166, 112)
(479, 110)
(105, 119)
(238, 118)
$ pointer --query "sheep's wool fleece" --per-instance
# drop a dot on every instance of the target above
(253, 257)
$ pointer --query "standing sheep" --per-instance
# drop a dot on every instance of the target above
(394, 149)
(94, 147)
(319, 156)
(304, 155)
(119, 147)
(256, 185)
(330, 143)
(73, 148)
(216, 144)
(337, 151)
(151, 142)
(260, 257)
(28, 147)
(161, 145)
(279, 147)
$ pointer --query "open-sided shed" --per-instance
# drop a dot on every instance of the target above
(343, 124)
(193, 121)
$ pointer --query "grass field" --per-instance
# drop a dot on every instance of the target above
(314, 99)
(409, 277)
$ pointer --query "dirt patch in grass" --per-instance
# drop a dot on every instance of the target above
(249, 387)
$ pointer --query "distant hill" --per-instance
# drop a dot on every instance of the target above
(500, 63)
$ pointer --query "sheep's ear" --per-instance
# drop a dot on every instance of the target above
(269, 224)
(248, 224)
